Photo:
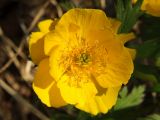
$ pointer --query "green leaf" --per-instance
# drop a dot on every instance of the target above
(146, 72)
(128, 14)
(150, 27)
(148, 48)
(83, 116)
(120, 9)
(151, 117)
(129, 100)
(67, 5)
(156, 88)
(146, 76)
(157, 59)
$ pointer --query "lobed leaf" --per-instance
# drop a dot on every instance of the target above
(129, 100)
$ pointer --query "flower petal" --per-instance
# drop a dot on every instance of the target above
(73, 92)
(45, 25)
(36, 47)
(74, 25)
(115, 25)
(132, 52)
(36, 41)
(125, 37)
(101, 104)
(45, 87)
(152, 8)
(55, 96)
(118, 71)
(118, 65)
(54, 39)
(54, 60)
(85, 18)
(122, 68)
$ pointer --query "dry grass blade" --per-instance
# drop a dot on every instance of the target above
(38, 16)
(13, 58)
(10, 43)
(11, 54)
(20, 48)
(103, 4)
(21, 100)
(58, 7)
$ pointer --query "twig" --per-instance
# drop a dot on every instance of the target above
(26, 104)
(103, 4)
(9, 42)
(11, 60)
(38, 16)
(58, 7)
(32, 25)
(11, 54)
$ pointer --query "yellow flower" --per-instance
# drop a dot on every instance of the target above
(151, 7)
(84, 61)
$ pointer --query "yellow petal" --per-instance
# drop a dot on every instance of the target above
(151, 7)
(79, 22)
(36, 41)
(36, 47)
(103, 37)
(85, 18)
(105, 42)
(56, 98)
(45, 87)
(132, 52)
(125, 37)
(56, 71)
(74, 92)
(122, 68)
(118, 71)
(115, 25)
(54, 39)
(101, 104)
(45, 25)
(119, 65)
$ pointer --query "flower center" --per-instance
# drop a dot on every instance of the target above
(84, 58)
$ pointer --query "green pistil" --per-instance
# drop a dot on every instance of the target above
(84, 58)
